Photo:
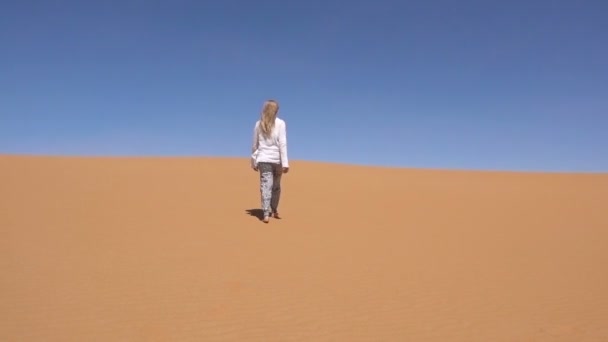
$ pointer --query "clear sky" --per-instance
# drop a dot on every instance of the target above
(511, 85)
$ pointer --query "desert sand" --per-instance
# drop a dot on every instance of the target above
(164, 249)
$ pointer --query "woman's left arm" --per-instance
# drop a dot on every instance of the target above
(254, 148)
(255, 144)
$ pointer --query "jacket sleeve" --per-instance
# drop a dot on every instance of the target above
(255, 143)
(283, 145)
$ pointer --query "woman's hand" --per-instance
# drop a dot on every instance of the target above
(285, 169)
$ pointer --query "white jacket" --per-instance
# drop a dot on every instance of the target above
(272, 149)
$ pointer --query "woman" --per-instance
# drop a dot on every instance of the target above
(269, 157)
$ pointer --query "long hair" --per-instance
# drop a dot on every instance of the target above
(269, 114)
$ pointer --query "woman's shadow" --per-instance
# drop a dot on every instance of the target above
(259, 213)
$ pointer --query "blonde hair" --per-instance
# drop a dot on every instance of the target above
(269, 114)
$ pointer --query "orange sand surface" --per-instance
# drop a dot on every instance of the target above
(164, 249)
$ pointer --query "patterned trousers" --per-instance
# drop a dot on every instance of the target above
(270, 186)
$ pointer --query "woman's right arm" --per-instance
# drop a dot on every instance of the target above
(283, 147)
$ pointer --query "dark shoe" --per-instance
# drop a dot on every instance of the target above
(276, 215)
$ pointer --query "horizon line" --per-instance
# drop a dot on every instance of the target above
(299, 160)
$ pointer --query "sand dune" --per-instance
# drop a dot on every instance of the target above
(163, 249)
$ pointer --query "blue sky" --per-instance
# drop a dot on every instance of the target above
(510, 85)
